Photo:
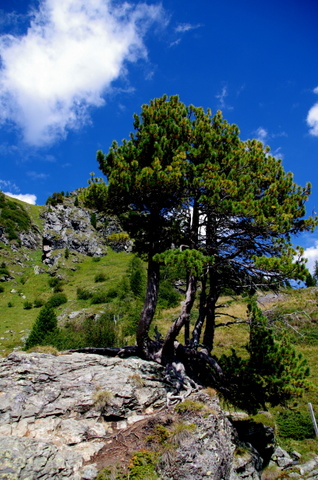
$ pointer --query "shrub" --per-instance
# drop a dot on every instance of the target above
(99, 297)
(93, 220)
(168, 296)
(10, 304)
(54, 281)
(55, 199)
(143, 466)
(83, 294)
(189, 406)
(102, 398)
(101, 331)
(1, 289)
(4, 271)
(56, 300)
(38, 302)
(27, 305)
(45, 324)
(100, 277)
(66, 253)
(102, 296)
(295, 425)
(136, 276)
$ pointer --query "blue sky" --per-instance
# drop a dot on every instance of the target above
(73, 73)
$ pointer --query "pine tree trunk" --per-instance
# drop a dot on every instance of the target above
(184, 317)
(212, 298)
(147, 314)
(196, 334)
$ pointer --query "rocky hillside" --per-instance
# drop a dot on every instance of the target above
(65, 224)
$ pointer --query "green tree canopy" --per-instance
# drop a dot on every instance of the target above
(184, 178)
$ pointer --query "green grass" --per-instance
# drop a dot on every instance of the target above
(16, 321)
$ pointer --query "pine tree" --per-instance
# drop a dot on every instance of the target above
(273, 374)
(45, 324)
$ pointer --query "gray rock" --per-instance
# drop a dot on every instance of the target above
(57, 413)
(26, 458)
(53, 404)
(67, 226)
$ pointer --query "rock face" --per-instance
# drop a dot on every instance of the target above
(61, 416)
(51, 405)
(70, 227)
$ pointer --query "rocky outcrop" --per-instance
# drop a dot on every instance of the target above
(58, 413)
(56, 410)
(70, 227)
(80, 230)
(67, 416)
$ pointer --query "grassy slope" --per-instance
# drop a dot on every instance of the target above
(16, 321)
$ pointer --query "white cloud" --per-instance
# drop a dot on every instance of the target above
(185, 27)
(25, 197)
(311, 253)
(221, 97)
(67, 61)
(37, 176)
(261, 134)
(312, 120)
(8, 184)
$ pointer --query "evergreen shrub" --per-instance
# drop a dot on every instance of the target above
(294, 424)
(44, 325)
(56, 300)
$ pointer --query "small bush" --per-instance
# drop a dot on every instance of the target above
(143, 466)
(54, 281)
(56, 300)
(96, 259)
(38, 302)
(10, 304)
(102, 398)
(189, 406)
(100, 277)
(4, 271)
(1, 289)
(168, 296)
(83, 294)
(295, 425)
(99, 297)
(101, 331)
(104, 296)
(27, 305)
(93, 220)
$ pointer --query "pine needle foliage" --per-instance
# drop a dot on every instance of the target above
(273, 374)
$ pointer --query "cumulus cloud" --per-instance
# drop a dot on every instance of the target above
(25, 197)
(312, 118)
(311, 253)
(66, 62)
